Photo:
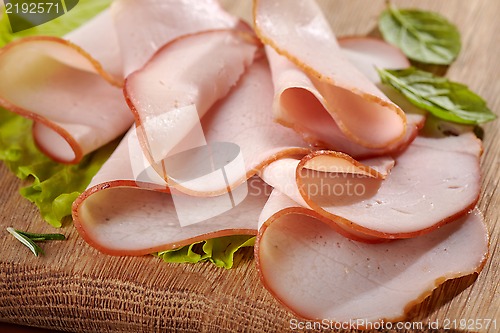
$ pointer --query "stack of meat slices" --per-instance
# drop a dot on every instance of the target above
(281, 131)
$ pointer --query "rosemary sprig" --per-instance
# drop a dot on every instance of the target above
(29, 239)
(42, 237)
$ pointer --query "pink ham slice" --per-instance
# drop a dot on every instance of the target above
(302, 35)
(128, 211)
(105, 49)
(120, 190)
(319, 274)
(434, 181)
(124, 219)
(74, 109)
(296, 93)
(282, 173)
(71, 96)
(246, 121)
(367, 54)
(146, 25)
(180, 84)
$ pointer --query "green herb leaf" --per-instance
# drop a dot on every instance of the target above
(56, 186)
(423, 36)
(187, 254)
(445, 99)
(29, 239)
(41, 237)
(219, 251)
(37, 250)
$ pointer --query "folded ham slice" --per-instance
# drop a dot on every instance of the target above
(127, 183)
(71, 87)
(72, 96)
(434, 181)
(281, 175)
(121, 218)
(294, 90)
(329, 82)
(319, 274)
(179, 85)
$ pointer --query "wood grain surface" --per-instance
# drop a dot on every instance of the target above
(76, 288)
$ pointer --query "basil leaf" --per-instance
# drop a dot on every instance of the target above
(423, 36)
(445, 99)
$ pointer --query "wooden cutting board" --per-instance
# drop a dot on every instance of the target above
(74, 287)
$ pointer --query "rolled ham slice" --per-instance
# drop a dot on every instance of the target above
(318, 274)
(302, 35)
(72, 96)
(434, 181)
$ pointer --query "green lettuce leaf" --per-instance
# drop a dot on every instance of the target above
(445, 99)
(55, 186)
(17, 147)
(422, 36)
(219, 251)
(84, 11)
